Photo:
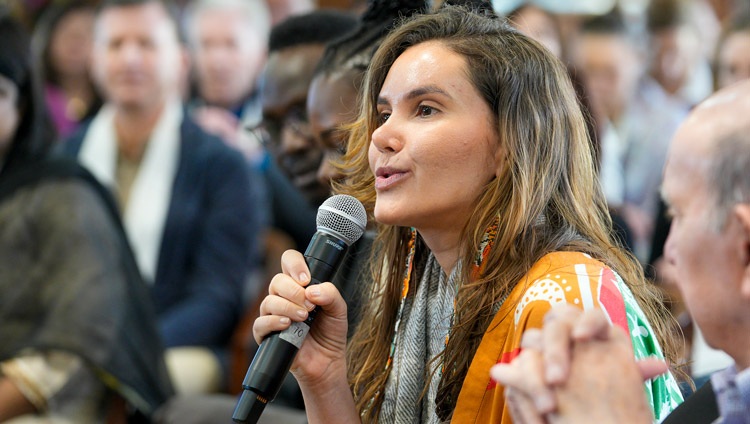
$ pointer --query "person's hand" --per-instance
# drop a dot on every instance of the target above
(605, 384)
(218, 122)
(528, 397)
(226, 126)
(290, 298)
(563, 326)
(546, 360)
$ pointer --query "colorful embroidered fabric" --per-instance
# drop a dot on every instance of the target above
(558, 277)
(570, 277)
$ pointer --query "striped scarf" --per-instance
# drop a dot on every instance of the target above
(421, 334)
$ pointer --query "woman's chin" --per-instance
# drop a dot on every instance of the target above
(388, 216)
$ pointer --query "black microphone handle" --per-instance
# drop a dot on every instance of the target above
(276, 353)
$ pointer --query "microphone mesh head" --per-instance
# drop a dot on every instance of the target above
(343, 216)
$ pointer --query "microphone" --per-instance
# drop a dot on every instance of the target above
(341, 221)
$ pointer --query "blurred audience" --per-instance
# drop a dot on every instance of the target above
(62, 43)
(640, 119)
(544, 26)
(732, 56)
(538, 24)
(78, 330)
(185, 197)
(682, 36)
(284, 9)
(291, 159)
(296, 45)
(229, 42)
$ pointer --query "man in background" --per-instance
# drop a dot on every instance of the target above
(185, 197)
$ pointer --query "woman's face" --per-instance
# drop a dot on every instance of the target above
(9, 115)
(436, 146)
(71, 43)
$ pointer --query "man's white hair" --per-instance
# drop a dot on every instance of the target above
(256, 13)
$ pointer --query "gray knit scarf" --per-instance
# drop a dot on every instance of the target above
(421, 337)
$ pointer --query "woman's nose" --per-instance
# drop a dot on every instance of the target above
(388, 137)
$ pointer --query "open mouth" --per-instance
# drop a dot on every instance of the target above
(387, 177)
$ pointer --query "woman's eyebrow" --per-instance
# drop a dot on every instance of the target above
(417, 92)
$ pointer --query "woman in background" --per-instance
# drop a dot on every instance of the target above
(62, 45)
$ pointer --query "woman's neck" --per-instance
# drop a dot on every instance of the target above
(76, 87)
(445, 245)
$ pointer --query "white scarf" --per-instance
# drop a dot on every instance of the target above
(151, 193)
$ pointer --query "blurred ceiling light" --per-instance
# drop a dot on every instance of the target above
(563, 7)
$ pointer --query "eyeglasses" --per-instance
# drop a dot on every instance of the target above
(270, 129)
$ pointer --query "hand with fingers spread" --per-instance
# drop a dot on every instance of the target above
(577, 368)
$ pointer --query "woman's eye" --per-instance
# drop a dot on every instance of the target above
(425, 110)
(382, 117)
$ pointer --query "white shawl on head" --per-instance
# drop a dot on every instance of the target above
(151, 193)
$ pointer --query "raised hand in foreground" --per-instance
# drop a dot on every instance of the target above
(578, 368)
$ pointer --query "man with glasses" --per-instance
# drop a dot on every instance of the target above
(296, 45)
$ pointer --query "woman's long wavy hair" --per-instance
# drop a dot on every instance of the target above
(550, 173)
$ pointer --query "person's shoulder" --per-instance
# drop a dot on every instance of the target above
(61, 204)
(700, 407)
(68, 192)
(200, 143)
(558, 277)
(565, 262)
(75, 182)
(45, 173)
(562, 276)
(71, 145)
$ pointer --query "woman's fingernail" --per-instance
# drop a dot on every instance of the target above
(309, 305)
(302, 277)
(302, 313)
(284, 320)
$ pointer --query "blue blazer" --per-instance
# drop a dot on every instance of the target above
(209, 245)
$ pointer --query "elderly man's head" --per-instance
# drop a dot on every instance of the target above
(229, 41)
(707, 188)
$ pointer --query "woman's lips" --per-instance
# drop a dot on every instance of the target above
(386, 178)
